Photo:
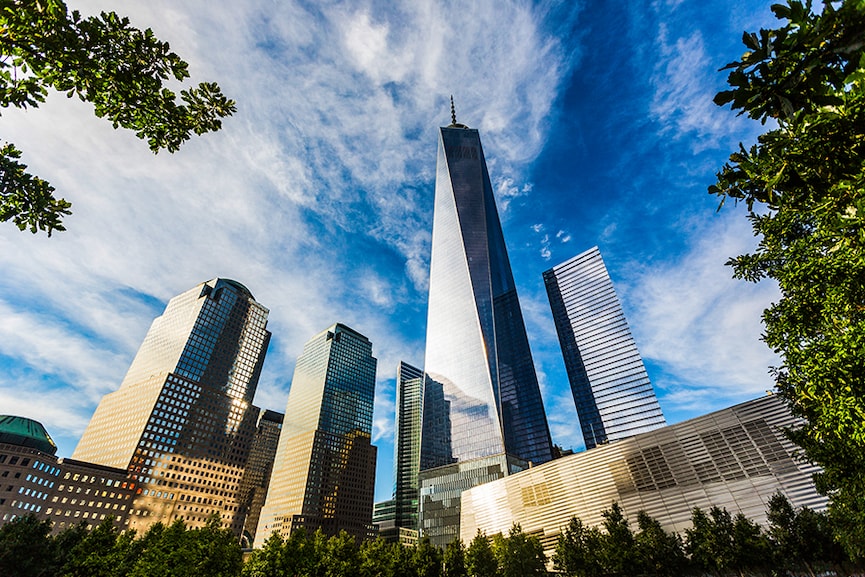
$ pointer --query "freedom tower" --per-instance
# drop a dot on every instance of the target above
(483, 417)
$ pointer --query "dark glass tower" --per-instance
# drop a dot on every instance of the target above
(324, 473)
(256, 477)
(182, 421)
(483, 414)
(611, 388)
(409, 403)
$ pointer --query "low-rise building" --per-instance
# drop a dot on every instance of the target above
(33, 481)
(736, 458)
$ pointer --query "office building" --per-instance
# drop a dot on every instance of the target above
(33, 481)
(483, 413)
(611, 388)
(324, 473)
(182, 422)
(256, 474)
(736, 458)
(407, 435)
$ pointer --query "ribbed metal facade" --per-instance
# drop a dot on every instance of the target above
(611, 388)
(736, 458)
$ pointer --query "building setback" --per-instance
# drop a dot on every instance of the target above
(182, 422)
(736, 458)
(324, 473)
(483, 416)
(611, 388)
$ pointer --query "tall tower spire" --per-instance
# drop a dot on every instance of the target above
(483, 416)
(454, 123)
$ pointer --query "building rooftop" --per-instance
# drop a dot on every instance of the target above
(25, 432)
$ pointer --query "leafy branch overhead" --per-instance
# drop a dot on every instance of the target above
(103, 60)
(803, 184)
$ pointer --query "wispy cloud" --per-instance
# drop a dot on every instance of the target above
(700, 326)
(686, 78)
(684, 87)
(317, 194)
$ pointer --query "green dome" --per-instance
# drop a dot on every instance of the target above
(25, 432)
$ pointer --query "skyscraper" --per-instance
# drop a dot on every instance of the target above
(406, 462)
(182, 420)
(324, 473)
(611, 388)
(483, 413)
(256, 475)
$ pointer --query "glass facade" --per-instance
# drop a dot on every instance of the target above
(736, 458)
(481, 396)
(324, 472)
(182, 422)
(406, 462)
(256, 475)
(611, 388)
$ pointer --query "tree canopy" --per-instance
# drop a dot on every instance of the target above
(803, 184)
(718, 543)
(118, 68)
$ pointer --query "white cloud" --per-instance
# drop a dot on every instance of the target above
(507, 190)
(684, 88)
(699, 325)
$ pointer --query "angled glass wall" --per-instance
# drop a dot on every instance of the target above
(482, 400)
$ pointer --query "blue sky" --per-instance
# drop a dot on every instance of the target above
(598, 126)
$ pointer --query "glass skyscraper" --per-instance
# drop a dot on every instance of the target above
(324, 472)
(406, 463)
(182, 421)
(253, 486)
(611, 388)
(483, 413)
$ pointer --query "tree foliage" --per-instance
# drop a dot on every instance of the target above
(658, 552)
(589, 552)
(577, 550)
(25, 549)
(800, 538)
(519, 554)
(454, 559)
(480, 559)
(618, 554)
(803, 184)
(119, 69)
(720, 544)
